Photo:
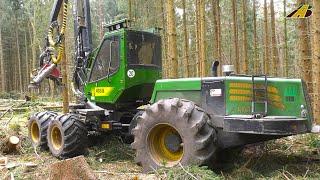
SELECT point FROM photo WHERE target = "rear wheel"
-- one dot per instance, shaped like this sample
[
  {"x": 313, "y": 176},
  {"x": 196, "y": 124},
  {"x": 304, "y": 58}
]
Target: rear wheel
[
  {"x": 67, "y": 136},
  {"x": 173, "y": 131},
  {"x": 37, "y": 128}
]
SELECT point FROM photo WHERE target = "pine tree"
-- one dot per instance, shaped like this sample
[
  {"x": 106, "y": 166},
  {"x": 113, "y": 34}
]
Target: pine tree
[
  {"x": 244, "y": 34},
  {"x": 185, "y": 41},
  {"x": 266, "y": 51},
  {"x": 305, "y": 47},
  {"x": 285, "y": 39},
  {"x": 235, "y": 34},
  {"x": 316, "y": 60},
  {"x": 172, "y": 38},
  {"x": 203, "y": 44},
  {"x": 256, "y": 63},
  {"x": 273, "y": 41}
]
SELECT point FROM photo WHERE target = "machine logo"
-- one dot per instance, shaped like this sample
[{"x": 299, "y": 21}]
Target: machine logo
[
  {"x": 131, "y": 73},
  {"x": 302, "y": 11}
]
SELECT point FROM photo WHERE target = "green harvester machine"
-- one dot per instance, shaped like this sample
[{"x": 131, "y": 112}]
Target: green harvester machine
[{"x": 187, "y": 121}]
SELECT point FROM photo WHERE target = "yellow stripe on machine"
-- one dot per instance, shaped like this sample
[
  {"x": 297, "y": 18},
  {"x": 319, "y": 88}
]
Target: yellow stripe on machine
[{"x": 102, "y": 91}]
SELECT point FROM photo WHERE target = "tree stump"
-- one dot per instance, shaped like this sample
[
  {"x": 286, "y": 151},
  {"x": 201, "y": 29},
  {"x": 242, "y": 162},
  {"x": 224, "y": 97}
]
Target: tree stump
[{"x": 71, "y": 169}]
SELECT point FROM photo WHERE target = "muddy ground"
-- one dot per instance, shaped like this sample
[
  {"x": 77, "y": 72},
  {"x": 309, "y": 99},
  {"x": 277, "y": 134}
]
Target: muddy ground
[{"x": 296, "y": 157}]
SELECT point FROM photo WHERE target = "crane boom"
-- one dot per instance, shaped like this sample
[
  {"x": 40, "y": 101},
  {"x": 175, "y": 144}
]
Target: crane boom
[{"x": 52, "y": 52}]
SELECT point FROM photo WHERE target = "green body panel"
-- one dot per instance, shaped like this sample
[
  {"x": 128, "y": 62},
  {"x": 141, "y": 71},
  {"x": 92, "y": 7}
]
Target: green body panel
[
  {"x": 189, "y": 88},
  {"x": 285, "y": 96},
  {"x": 124, "y": 88}
]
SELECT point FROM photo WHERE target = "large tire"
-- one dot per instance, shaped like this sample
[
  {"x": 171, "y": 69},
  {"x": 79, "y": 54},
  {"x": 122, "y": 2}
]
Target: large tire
[
  {"x": 173, "y": 131},
  {"x": 37, "y": 128},
  {"x": 67, "y": 136}
]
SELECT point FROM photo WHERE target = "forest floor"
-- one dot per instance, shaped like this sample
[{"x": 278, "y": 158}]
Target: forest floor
[{"x": 296, "y": 157}]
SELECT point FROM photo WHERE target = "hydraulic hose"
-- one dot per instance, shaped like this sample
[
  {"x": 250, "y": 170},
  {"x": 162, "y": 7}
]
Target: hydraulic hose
[{"x": 59, "y": 42}]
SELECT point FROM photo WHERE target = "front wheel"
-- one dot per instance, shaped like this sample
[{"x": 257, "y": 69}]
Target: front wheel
[
  {"x": 173, "y": 131},
  {"x": 67, "y": 136},
  {"x": 37, "y": 128}
]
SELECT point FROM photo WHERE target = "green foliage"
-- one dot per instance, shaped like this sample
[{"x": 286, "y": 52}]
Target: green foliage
[
  {"x": 108, "y": 148},
  {"x": 10, "y": 95},
  {"x": 315, "y": 141},
  {"x": 188, "y": 172}
]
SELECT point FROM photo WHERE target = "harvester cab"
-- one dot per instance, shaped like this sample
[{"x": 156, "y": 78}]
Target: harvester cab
[{"x": 124, "y": 68}]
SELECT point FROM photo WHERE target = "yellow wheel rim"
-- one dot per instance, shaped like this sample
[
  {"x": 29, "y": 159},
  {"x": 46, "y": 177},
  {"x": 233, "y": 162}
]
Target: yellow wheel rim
[
  {"x": 158, "y": 148},
  {"x": 35, "y": 132},
  {"x": 56, "y": 138}
]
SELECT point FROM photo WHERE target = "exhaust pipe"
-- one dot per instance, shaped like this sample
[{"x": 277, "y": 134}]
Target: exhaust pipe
[{"x": 215, "y": 65}]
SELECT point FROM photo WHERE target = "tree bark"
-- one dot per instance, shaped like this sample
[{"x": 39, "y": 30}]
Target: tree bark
[
  {"x": 273, "y": 41},
  {"x": 185, "y": 41},
  {"x": 130, "y": 9},
  {"x": 219, "y": 36},
  {"x": 165, "y": 43},
  {"x": 244, "y": 31},
  {"x": 26, "y": 73},
  {"x": 18, "y": 55},
  {"x": 198, "y": 39},
  {"x": 285, "y": 39},
  {"x": 266, "y": 52},
  {"x": 2, "y": 73},
  {"x": 305, "y": 53},
  {"x": 172, "y": 38},
  {"x": 100, "y": 19},
  {"x": 204, "y": 66},
  {"x": 235, "y": 34},
  {"x": 64, "y": 71},
  {"x": 256, "y": 63},
  {"x": 34, "y": 45},
  {"x": 316, "y": 60}
]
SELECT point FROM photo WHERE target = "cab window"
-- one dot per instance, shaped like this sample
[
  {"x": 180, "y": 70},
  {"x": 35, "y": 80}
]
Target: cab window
[{"x": 107, "y": 60}]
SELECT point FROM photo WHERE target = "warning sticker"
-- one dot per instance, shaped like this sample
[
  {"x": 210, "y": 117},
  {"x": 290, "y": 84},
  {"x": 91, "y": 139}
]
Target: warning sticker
[{"x": 215, "y": 92}]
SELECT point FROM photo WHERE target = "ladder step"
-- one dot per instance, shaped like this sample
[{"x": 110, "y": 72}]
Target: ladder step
[
  {"x": 258, "y": 75},
  {"x": 262, "y": 113},
  {"x": 260, "y": 89},
  {"x": 259, "y": 102}
]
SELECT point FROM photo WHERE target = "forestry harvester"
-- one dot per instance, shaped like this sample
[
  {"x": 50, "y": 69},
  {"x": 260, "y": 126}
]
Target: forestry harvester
[{"x": 185, "y": 121}]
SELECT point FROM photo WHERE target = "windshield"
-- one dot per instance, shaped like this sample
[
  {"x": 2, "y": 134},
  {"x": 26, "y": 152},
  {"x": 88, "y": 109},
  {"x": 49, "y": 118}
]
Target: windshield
[{"x": 143, "y": 48}]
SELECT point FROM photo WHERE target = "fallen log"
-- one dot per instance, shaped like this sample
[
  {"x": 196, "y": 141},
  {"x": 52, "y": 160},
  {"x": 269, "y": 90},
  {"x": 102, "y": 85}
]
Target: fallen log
[
  {"x": 43, "y": 107},
  {"x": 5, "y": 112}
]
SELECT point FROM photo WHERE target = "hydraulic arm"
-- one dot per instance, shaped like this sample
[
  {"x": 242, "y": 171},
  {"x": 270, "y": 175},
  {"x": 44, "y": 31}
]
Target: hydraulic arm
[{"x": 53, "y": 50}]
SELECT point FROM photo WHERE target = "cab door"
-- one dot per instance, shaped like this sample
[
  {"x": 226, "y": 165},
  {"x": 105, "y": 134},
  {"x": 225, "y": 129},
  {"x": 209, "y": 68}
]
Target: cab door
[{"x": 106, "y": 72}]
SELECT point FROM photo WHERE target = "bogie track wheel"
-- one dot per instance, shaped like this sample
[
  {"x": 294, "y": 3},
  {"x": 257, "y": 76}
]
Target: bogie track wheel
[
  {"x": 67, "y": 136},
  {"x": 173, "y": 131},
  {"x": 37, "y": 128}
]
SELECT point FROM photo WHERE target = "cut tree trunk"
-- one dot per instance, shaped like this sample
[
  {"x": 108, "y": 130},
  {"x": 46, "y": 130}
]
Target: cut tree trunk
[
  {"x": 75, "y": 168},
  {"x": 64, "y": 72}
]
